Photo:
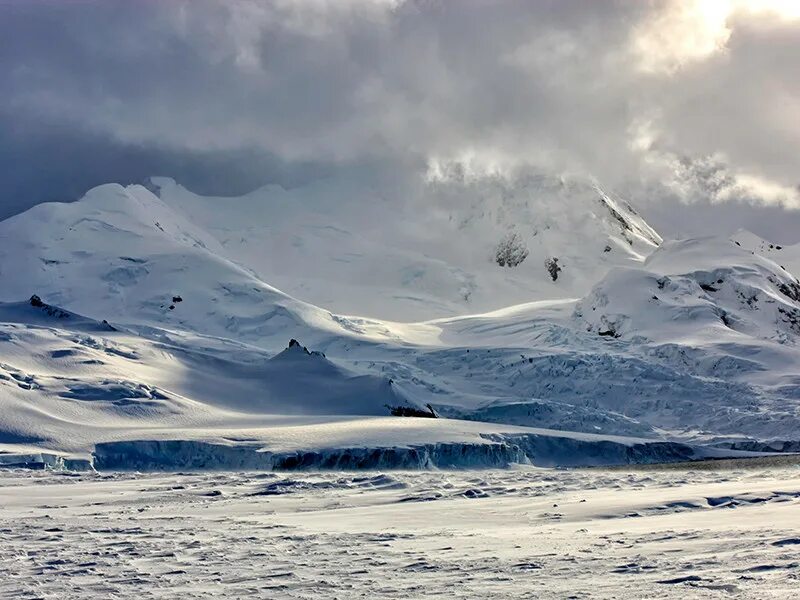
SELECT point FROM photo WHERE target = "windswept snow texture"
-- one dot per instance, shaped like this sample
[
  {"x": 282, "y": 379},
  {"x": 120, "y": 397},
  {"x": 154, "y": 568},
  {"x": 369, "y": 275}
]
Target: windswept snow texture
[
  {"x": 155, "y": 321},
  {"x": 520, "y": 533}
]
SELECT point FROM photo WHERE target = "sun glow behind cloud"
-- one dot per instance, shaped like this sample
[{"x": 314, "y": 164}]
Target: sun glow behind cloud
[{"x": 693, "y": 30}]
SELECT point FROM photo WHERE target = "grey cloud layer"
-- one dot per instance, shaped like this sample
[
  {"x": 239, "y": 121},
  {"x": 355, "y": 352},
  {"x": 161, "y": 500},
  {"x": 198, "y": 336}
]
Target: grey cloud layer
[{"x": 286, "y": 90}]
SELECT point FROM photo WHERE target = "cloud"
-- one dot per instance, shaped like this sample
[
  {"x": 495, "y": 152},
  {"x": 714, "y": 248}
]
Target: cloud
[
  {"x": 641, "y": 95},
  {"x": 677, "y": 34}
]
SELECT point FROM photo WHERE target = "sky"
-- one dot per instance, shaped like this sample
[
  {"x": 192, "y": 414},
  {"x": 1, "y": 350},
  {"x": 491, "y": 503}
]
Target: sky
[{"x": 689, "y": 108}]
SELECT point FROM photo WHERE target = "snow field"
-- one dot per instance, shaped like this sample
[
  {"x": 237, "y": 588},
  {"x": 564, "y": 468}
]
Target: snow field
[{"x": 520, "y": 533}]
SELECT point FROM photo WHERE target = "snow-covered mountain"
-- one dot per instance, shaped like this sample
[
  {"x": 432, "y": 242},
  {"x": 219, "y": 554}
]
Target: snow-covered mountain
[
  {"x": 158, "y": 319},
  {"x": 352, "y": 254},
  {"x": 455, "y": 248},
  {"x": 787, "y": 256}
]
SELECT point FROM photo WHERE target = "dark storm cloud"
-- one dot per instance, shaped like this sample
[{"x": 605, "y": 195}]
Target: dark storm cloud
[
  {"x": 229, "y": 95},
  {"x": 337, "y": 81},
  {"x": 48, "y": 161}
]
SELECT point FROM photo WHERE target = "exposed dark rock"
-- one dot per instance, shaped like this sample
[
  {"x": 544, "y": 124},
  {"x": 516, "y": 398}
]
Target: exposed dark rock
[
  {"x": 623, "y": 222},
  {"x": 52, "y": 311},
  {"x": 293, "y": 343},
  {"x": 791, "y": 290},
  {"x": 551, "y": 264},
  {"x": 751, "y": 301},
  {"x": 791, "y": 317},
  {"x": 410, "y": 411},
  {"x": 511, "y": 251}
]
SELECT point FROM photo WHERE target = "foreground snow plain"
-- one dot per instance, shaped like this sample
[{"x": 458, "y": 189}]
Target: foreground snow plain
[{"x": 729, "y": 531}]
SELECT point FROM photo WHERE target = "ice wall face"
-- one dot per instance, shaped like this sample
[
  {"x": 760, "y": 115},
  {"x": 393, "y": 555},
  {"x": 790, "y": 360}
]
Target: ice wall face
[
  {"x": 494, "y": 451},
  {"x": 178, "y": 455}
]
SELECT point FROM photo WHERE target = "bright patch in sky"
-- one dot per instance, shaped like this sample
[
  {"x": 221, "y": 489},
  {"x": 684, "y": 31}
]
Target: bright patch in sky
[{"x": 684, "y": 32}]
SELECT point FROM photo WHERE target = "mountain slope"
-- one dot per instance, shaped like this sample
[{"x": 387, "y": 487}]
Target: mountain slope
[
  {"x": 695, "y": 290},
  {"x": 60, "y": 371},
  {"x": 121, "y": 254},
  {"x": 787, "y": 256},
  {"x": 351, "y": 250},
  {"x": 72, "y": 386}
]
